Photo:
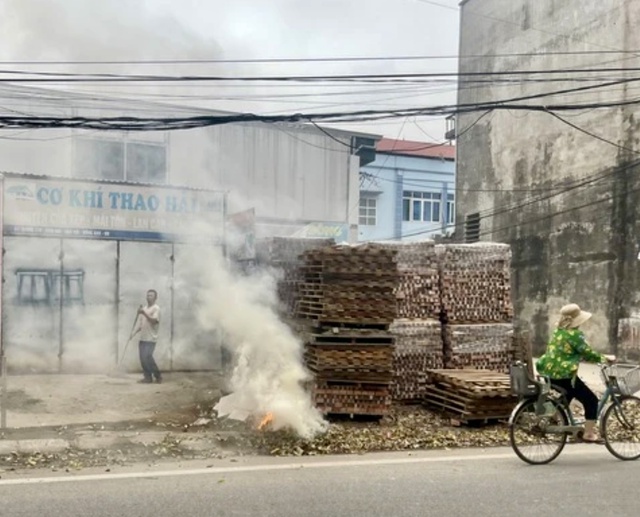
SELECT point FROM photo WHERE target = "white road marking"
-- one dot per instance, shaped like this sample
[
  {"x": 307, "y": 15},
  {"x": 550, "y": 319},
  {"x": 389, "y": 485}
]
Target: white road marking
[{"x": 276, "y": 467}]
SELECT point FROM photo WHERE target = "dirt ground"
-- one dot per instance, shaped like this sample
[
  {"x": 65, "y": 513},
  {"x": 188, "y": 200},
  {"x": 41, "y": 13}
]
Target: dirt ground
[{"x": 58, "y": 400}]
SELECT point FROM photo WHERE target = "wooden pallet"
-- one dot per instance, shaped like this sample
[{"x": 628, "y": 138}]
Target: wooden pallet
[
  {"x": 370, "y": 284},
  {"x": 471, "y": 382},
  {"x": 352, "y": 358},
  {"x": 466, "y": 408},
  {"x": 337, "y": 320},
  {"x": 476, "y": 283},
  {"x": 497, "y": 361},
  {"x": 332, "y": 397},
  {"x": 410, "y": 373},
  {"x": 483, "y": 346}
]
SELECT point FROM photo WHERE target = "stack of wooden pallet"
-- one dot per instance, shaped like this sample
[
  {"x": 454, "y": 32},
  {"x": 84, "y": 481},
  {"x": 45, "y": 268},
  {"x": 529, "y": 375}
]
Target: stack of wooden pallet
[
  {"x": 470, "y": 395},
  {"x": 348, "y": 285},
  {"x": 417, "y": 288},
  {"x": 417, "y": 328},
  {"x": 476, "y": 283},
  {"x": 418, "y": 347},
  {"x": 352, "y": 370},
  {"x": 347, "y": 296},
  {"x": 391, "y": 287},
  {"x": 285, "y": 255},
  {"x": 476, "y": 305},
  {"x": 483, "y": 346},
  {"x": 351, "y": 399}
]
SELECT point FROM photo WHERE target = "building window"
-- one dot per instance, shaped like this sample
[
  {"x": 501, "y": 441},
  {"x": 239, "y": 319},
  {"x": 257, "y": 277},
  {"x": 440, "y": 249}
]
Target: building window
[
  {"x": 451, "y": 209},
  {"x": 146, "y": 163},
  {"x": 116, "y": 160},
  {"x": 472, "y": 228},
  {"x": 421, "y": 206},
  {"x": 100, "y": 159},
  {"x": 368, "y": 209}
]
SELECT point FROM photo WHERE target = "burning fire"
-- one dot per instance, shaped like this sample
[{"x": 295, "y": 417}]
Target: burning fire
[{"x": 268, "y": 418}]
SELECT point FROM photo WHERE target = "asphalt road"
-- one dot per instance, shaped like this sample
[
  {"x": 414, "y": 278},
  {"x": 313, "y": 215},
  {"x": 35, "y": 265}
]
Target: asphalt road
[{"x": 584, "y": 481}]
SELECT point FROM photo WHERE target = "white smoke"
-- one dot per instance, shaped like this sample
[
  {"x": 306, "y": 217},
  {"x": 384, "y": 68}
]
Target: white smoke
[
  {"x": 269, "y": 374},
  {"x": 85, "y": 30}
]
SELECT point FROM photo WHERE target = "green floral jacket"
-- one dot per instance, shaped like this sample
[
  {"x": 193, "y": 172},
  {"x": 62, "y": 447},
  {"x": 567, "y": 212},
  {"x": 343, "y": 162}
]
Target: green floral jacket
[{"x": 564, "y": 352}]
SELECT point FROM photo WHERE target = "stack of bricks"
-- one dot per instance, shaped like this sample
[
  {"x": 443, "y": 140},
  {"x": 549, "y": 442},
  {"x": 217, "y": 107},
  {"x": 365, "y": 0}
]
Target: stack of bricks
[{"x": 476, "y": 306}]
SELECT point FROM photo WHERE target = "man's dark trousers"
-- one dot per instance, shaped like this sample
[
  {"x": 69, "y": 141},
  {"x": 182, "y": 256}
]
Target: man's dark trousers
[{"x": 148, "y": 363}]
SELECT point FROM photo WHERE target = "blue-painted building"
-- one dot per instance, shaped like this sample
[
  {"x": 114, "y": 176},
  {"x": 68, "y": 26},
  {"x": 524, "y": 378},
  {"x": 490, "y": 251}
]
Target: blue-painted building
[{"x": 408, "y": 192}]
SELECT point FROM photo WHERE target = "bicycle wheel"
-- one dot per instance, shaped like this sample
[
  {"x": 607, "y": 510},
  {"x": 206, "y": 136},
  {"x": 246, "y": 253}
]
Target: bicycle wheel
[
  {"x": 621, "y": 428},
  {"x": 529, "y": 438}
]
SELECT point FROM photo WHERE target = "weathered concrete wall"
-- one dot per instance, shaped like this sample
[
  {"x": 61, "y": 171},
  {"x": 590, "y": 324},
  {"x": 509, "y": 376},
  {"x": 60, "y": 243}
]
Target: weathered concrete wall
[{"x": 566, "y": 201}]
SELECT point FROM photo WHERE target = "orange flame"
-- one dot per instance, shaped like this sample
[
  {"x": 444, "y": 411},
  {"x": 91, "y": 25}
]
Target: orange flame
[{"x": 268, "y": 418}]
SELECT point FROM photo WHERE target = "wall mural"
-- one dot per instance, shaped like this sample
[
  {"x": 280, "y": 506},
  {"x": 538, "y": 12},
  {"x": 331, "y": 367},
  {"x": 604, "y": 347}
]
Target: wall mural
[{"x": 40, "y": 286}]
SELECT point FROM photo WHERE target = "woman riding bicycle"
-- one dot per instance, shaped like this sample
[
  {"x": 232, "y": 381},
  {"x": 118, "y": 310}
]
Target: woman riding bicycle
[{"x": 560, "y": 362}]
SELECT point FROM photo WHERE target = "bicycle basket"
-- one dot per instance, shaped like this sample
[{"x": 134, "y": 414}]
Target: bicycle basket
[
  {"x": 628, "y": 377},
  {"x": 521, "y": 384}
]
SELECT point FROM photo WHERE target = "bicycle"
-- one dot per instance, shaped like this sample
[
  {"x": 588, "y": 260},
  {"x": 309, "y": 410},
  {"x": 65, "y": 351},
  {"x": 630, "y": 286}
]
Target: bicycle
[{"x": 543, "y": 421}]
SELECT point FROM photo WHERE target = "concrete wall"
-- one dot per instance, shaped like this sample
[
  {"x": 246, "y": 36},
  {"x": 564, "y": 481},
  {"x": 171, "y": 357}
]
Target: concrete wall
[
  {"x": 564, "y": 200},
  {"x": 387, "y": 177}
]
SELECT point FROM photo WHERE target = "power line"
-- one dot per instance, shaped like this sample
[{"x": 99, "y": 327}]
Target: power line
[
  {"x": 560, "y": 212},
  {"x": 295, "y": 137},
  {"x": 589, "y": 180},
  {"x": 593, "y": 135},
  {"x": 61, "y": 77},
  {"x": 183, "y": 109},
  {"x": 189, "y": 122},
  {"x": 404, "y": 123},
  {"x": 530, "y": 221},
  {"x": 322, "y": 130},
  {"x": 456, "y": 190},
  {"x": 586, "y": 181},
  {"x": 509, "y": 209},
  {"x": 418, "y": 90},
  {"x": 330, "y": 59}
]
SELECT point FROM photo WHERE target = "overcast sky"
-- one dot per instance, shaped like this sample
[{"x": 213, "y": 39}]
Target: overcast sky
[{"x": 73, "y": 30}]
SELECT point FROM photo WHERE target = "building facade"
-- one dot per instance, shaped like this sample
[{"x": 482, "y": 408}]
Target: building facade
[
  {"x": 408, "y": 192},
  {"x": 295, "y": 179},
  {"x": 562, "y": 189}
]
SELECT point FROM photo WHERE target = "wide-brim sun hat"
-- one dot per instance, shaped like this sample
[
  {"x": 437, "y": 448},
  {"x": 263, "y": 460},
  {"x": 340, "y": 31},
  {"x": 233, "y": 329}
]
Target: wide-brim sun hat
[{"x": 572, "y": 316}]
